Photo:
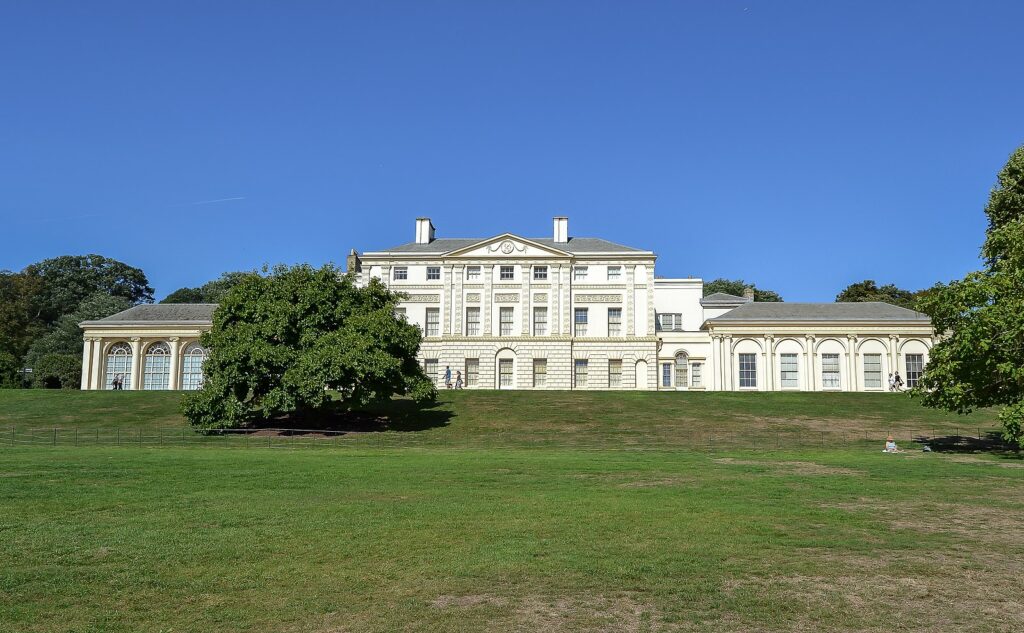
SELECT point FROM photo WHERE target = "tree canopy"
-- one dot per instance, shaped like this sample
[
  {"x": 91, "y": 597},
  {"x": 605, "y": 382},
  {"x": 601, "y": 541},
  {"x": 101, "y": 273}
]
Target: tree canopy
[
  {"x": 69, "y": 279},
  {"x": 980, "y": 360},
  {"x": 210, "y": 292},
  {"x": 737, "y": 286},
  {"x": 279, "y": 342},
  {"x": 867, "y": 290}
]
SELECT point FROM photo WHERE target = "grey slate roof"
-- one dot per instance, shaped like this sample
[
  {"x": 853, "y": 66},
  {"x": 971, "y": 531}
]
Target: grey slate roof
[
  {"x": 574, "y": 245},
  {"x": 722, "y": 297},
  {"x": 865, "y": 311},
  {"x": 161, "y": 313}
]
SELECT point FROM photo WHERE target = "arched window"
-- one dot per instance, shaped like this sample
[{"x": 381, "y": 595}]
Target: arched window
[
  {"x": 682, "y": 370},
  {"x": 119, "y": 365},
  {"x": 192, "y": 367},
  {"x": 156, "y": 372}
]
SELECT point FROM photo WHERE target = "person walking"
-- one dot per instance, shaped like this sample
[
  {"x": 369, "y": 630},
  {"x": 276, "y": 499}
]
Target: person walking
[
  {"x": 447, "y": 377},
  {"x": 116, "y": 382},
  {"x": 458, "y": 380},
  {"x": 892, "y": 382},
  {"x": 898, "y": 381}
]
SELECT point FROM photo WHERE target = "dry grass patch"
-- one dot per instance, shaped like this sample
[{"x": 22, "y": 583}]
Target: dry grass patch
[{"x": 789, "y": 467}]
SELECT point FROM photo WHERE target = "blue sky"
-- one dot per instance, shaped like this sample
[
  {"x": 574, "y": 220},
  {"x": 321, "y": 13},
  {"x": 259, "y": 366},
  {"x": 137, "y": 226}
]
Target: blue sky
[{"x": 798, "y": 145}]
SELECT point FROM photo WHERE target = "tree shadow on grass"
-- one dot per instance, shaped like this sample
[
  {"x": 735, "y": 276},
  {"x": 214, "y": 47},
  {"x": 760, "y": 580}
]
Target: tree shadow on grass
[
  {"x": 991, "y": 442},
  {"x": 400, "y": 415}
]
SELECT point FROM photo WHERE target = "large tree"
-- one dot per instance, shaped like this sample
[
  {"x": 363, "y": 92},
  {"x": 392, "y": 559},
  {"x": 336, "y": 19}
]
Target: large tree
[
  {"x": 980, "y": 360},
  {"x": 737, "y": 286},
  {"x": 69, "y": 279},
  {"x": 280, "y": 342},
  {"x": 867, "y": 290},
  {"x": 210, "y": 292},
  {"x": 20, "y": 322}
]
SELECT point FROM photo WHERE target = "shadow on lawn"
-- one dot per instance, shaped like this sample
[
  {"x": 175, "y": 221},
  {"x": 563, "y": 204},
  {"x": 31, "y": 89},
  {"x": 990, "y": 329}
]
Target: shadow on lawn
[
  {"x": 395, "y": 415},
  {"x": 990, "y": 442}
]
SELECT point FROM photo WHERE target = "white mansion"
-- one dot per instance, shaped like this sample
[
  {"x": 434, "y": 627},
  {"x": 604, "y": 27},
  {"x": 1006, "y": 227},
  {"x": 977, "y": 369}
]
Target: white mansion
[{"x": 563, "y": 312}]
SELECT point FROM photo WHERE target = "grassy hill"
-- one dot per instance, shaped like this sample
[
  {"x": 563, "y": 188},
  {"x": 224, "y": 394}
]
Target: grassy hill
[{"x": 509, "y": 512}]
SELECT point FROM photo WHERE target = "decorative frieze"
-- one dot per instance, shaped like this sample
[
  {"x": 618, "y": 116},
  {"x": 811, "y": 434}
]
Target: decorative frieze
[
  {"x": 540, "y": 297},
  {"x": 598, "y": 298},
  {"x": 473, "y": 297},
  {"x": 422, "y": 299},
  {"x": 506, "y": 298}
]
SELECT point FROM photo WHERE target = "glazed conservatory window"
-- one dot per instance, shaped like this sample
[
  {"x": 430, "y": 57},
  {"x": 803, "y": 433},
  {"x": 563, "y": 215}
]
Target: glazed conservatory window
[
  {"x": 192, "y": 367},
  {"x": 156, "y": 372},
  {"x": 872, "y": 371},
  {"x": 748, "y": 370},
  {"x": 830, "y": 371},
  {"x": 915, "y": 367},
  {"x": 119, "y": 363},
  {"x": 789, "y": 373}
]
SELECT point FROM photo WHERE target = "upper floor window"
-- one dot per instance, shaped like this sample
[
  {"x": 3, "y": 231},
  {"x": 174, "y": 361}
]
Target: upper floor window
[
  {"x": 433, "y": 322},
  {"x": 472, "y": 273},
  {"x": 540, "y": 321},
  {"x": 614, "y": 321},
  {"x": 400, "y": 272},
  {"x": 507, "y": 273},
  {"x": 579, "y": 273},
  {"x": 614, "y": 273},
  {"x": 473, "y": 321},
  {"x": 506, "y": 321},
  {"x": 670, "y": 321},
  {"x": 580, "y": 322},
  {"x": 433, "y": 273},
  {"x": 540, "y": 273}
]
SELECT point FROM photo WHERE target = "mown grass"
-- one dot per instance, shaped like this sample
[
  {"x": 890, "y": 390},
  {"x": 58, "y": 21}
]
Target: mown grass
[{"x": 536, "y": 533}]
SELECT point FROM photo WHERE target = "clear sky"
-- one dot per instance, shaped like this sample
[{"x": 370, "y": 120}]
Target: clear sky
[{"x": 798, "y": 145}]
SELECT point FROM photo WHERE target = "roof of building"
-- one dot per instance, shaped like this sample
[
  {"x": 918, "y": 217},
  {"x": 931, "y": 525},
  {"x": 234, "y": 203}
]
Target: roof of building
[
  {"x": 574, "y": 245},
  {"x": 865, "y": 311},
  {"x": 723, "y": 298},
  {"x": 186, "y": 313}
]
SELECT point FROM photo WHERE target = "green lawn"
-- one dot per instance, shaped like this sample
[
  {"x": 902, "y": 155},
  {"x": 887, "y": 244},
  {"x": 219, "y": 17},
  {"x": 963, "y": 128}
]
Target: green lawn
[{"x": 561, "y": 525}]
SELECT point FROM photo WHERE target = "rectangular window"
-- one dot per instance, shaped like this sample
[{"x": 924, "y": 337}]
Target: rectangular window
[
  {"x": 666, "y": 374},
  {"x": 789, "y": 372},
  {"x": 400, "y": 313},
  {"x": 507, "y": 273},
  {"x": 830, "y": 371},
  {"x": 433, "y": 273},
  {"x": 682, "y": 371},
  {"x": 472, "y": 273},
  {"x": 872, "y": 371},
  {"x": 579, "y": 273},
  {"x": 748, "y": 370},
  {"x": 473, "y": 321},
  {"x": 614, "y": 321},
  {"x": 579, "y": 372},
  {"x": 614, "y": 273},
  {"x": 540, "y": 372},
  {"x": 580, "y": 322},
  {"x": 670, "y": 321},
  {"x": 540, "y": 273},
  {"x": 430, "y": 368},
  {"x": 615, "y": 373},
  {"x": 540, "y": 321},
  {"x": 505, "y": 316},
  {"x": 915, "y": 367},
  {"x": 505, "y": 372},
  {"x": 400, "y": 272},
  {"x": 433, "y": 322},
  {"x": 696, "y": 375},
  {"x": 472, "y": 372}
]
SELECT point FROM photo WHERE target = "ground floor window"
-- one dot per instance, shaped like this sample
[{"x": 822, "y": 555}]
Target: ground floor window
[
  {"x": 872, "y": 371},
  {"x": 505, "y": 372},
  {"x": 430, "y": 368},
  {"x": 579, "y": 372},
  {"x": 192, "y": 367},
  {"x": 615, "y": 372},
  {"x": 682, "y": 370},
  {"x": 696, "y": 377},
  {"x": 915, "y": 366},
  {"x": 789, "y": 372},
  {"x": 666, "y": 374},
  {"x": 472, "y": 372},
  {"x": 119, "y": 366},
  {"x": 540, "y": 372},
  {"x": 156, "y": 372},
  {"x": 748, "y": 370},
  {"x": 830, "y": 371}
]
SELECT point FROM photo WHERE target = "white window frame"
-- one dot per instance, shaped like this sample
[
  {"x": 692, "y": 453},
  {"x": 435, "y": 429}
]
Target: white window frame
[
  {"x": 540, "y": 372},
  {"x": 831, "y": 377},
  {"x": 431, "y": 366},
  {"x": 579, "y": 273},
  {"x": 682, "y": 370},
  {"x": 747, "y": 365},
  {"x": 156, "y": 370},
  {"x": 666, "y": 375},
  {"x": 433, "y": 273},
  {"x": 506, "y": 380},
  {"x": 697, "y": 374},
  {"x": 670, "y": 321},
  {"x": 472, "y": 372},
  {"x": 614, "y": 273},
  {"x": 540, "y": 273},
  {"x": 614, "y": 372},
  {"x": 793, "y": 381},
  {"x": 614, "y": 324},
  {"x": 580, "y": 372},
  {"x": 432, "y": 327},
  {"x": 913, "y": 375},
  {"x": 540, "y": 325},
  {"x": 473, "y": 273},
  {"x": 473, "y": 325},
  {"x": 579, "y": 326},
  {"x": 400, "y": 273},
  {"x": 872, "y": 371},
  {"x": 192, "y": 367},
  {"x": 506, "y": 273},
  {"x": 507, "y": 327}
]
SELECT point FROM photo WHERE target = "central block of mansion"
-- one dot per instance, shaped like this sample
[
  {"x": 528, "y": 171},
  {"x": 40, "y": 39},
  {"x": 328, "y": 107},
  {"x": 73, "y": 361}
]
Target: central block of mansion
[{"x": 563, "y": 312}]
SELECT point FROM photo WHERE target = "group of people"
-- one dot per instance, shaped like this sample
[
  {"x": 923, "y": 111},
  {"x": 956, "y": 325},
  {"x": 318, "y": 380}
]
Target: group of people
[
  {"x": 448, "y": 378},
  {"x": 895, "y": 382},
  {"x": 117, "y": 382}
]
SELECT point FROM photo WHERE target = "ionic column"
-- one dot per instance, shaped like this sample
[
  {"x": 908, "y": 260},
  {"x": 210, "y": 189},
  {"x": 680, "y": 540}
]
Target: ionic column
[
  {"x": 811, "y": 353},
  {"x": 894, "y": 353},
  {"x": 727, "y": 363},
  {"x": 769, "y": 370},
  {"x": 175, "y": 382},
  {"x": 851, "y": 360},
  {"x": 86, "y": 362},
  {"x": 136, "y": 363}
]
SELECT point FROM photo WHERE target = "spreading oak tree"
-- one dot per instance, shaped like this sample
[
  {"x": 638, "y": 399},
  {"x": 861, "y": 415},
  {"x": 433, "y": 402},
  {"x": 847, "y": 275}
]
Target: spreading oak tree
[
  {"x": 299, "y": 339},
  {"x": 980, "y": 360},
  {"x": 868, "y": 290},
  {"x": 737, "y": 286}
]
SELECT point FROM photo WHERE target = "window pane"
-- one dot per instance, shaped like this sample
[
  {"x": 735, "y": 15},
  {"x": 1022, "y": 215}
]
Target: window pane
[
  {"x": 472, "y": 273},
  {"x": 666, "y": 374},
  {"x": 472, "y": 372},
  {"x": 540, "y": 372},
  {"x": 579, "y": 372},
  {"x": 156, "y": 371},
  {"x": 192, "y": 367},
  {"x": 472, "y": 321},
  {"x": 433, "y": 322},
  {"x": 580, "y": 321},
  {"x": 614, "y": 273},
  {"x": 615, "y": 372},
  {"x": 579, "y": 273},
  {"x": 830, "y": 371},
  {"x": 748, "y": 370},
  {"x": 872, "y": 371},
  {"x": 433, "y": 273},
  {"x": 507, "y": 272},
  {"x": 540, "y": 273},
  {"x": 696, "y": 379},
  {"x": 540, "y": 321},
  {"x": 400, "y": 272},
  {"x": 119, "y": 365},
  {"x": 915, "y": 367},
  {"x": 614, "y": 321},
  {"x": 505, "y": 372},
  {"x": 505, "y": 316},
  {"x": 682, "y": 373},
  {"x": 790, "y": 373},
  {"x": 430, "y": 368}
]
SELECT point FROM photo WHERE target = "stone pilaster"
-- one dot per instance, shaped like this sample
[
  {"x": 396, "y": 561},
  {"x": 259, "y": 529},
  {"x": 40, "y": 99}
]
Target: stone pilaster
[
  {"x": 488, "y": 299},
  {"x": 175, "y": 379},
  {"x": 630, "y": 299},
  {"x": 137, "y": 360},
  {"x": 86, "y": 362}
]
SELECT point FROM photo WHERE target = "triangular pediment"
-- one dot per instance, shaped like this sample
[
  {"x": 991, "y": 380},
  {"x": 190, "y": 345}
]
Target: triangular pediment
[{"x": 509, "y": 246}]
